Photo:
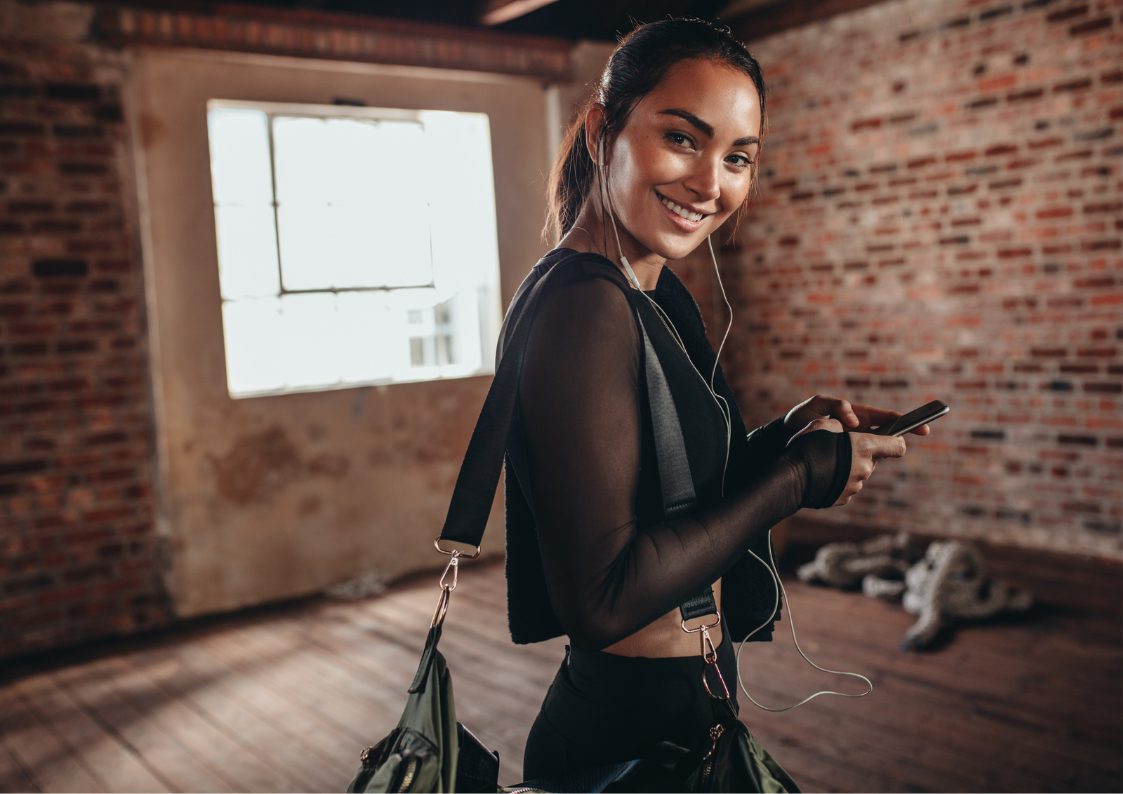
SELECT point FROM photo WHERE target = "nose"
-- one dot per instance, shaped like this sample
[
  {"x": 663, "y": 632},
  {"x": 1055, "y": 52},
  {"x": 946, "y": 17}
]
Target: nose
[{"x": 704, "y": 180}]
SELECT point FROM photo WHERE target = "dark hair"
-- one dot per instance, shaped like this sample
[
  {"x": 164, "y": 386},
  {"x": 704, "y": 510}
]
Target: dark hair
[{"x": 636, "y": 66}]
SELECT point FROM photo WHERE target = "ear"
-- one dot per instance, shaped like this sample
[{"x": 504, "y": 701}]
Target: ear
[{"x": 594, "y": 123}]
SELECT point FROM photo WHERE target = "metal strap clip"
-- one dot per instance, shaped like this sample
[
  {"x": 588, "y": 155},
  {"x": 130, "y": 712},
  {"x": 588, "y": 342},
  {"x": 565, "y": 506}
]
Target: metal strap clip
[
  {"x": 709, "y": 656},
  {"x": 447, "y": 584},
  {"x": 472, "y": 556}
]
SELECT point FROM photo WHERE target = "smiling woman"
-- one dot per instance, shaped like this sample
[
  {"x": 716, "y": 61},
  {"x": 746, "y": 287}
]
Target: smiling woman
[
  {"x": 677, "y": 174},
  {"x": 662, "y": 154}
]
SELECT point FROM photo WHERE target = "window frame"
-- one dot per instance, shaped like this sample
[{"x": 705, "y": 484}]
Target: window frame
[{"x": 485, "y": 285}]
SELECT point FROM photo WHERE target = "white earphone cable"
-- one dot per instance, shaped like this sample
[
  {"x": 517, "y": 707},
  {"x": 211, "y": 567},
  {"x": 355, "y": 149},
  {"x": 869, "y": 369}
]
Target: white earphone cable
[{"x": 778, "y": 586}]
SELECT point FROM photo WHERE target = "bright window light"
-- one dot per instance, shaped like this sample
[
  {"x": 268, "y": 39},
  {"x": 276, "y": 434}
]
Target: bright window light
[{"x": 356, "y": 246}]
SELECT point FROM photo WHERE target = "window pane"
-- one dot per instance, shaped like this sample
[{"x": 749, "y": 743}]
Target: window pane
[
  {"x": 355, "y": 152},
  {"x": 325, "y": 247},
  {"x": 464, "y": 204},
  {"x": 353, "y": 203},
  {"x": 313, "y": 340},
  {"x": 255, "y": 362},
  {"x": 302, "y": 160},
  {"x": 239, "y": 145},
  {"x": 247, "y": 251},
  {"x": 403, "y": 251},
  {"x": 366, "y": 325},
  {"x": 402, "y": 212}
]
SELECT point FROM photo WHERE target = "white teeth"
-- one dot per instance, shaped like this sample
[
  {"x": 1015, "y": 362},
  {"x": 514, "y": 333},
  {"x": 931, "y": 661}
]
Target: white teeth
[{"x": 682, "y": 212}]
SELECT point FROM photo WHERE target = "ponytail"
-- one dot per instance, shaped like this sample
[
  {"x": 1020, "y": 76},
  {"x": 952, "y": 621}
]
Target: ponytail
[{"x": 570, "y": 178}]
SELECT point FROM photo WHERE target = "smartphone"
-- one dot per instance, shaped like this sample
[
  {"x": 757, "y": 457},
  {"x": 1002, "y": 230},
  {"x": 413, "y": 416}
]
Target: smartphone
[{"x": 914, "y": 419}]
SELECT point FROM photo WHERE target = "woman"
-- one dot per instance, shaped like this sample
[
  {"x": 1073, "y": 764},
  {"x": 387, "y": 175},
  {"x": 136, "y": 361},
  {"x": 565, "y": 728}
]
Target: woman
[{"x": 661, "y": 155}]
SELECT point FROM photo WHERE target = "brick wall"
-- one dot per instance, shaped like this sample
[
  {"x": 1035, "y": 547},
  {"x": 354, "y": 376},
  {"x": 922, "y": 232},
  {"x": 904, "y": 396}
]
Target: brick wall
[
  {"x": 941, "y": 217},
  {"x": 78, "y": 552}
]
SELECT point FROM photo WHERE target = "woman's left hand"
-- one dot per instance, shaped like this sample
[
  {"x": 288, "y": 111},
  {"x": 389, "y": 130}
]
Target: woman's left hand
[{"x": 853, "y": 416}]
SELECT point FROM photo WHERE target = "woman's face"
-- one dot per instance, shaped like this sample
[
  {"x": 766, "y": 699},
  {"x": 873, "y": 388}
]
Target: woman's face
[{"x": 683, "y": 162}]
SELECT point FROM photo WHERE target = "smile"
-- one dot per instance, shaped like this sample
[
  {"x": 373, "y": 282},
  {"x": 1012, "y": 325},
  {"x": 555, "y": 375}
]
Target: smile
[{"x": 693, "y": 218}]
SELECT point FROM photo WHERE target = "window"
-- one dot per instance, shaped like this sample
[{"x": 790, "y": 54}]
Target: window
[{"x": 355, "y": 245}]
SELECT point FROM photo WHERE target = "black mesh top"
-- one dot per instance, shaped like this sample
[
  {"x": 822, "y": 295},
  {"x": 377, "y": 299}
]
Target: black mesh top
[{"x": 589, "y": 553}]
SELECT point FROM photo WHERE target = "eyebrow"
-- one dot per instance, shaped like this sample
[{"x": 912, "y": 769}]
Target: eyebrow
[{"x": 705, "y": 128}]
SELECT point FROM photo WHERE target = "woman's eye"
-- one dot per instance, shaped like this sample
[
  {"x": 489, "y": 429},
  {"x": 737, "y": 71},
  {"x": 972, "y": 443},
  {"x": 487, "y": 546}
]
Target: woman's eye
[
  {"x": 741, "y": 161},
  {"x": 679, "y": 139}
]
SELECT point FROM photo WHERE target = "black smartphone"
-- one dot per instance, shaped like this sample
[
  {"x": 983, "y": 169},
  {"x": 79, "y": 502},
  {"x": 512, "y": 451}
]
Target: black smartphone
[{"x": 914, "y": 419}]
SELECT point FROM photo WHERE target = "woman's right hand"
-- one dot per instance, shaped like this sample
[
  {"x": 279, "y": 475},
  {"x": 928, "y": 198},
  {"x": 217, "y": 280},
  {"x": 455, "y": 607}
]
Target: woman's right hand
[{"x": 822, "y": 458}]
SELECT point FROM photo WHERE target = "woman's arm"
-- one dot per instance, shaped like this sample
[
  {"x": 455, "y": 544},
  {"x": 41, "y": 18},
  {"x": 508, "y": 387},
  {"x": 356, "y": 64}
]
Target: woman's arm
[
  {"x": 581, "y": 405},
  {"x": 767, "y": 442}
]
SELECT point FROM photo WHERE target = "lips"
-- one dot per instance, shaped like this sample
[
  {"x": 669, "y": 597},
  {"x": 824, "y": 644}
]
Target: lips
[{"x": 683, "y": 217}]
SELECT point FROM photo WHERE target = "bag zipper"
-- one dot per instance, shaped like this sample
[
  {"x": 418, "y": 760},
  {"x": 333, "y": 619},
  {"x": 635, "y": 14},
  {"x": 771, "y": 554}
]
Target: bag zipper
[
  {"x": 411, "y": 762},
  {"x": 715, "y": 733}
]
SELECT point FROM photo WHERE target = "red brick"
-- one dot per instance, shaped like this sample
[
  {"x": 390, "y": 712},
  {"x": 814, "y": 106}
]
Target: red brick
[
  {"x": 997, "y": 83},
  {"x": 1091, "y": 26},
  {"x": 1073, "y": 85}
]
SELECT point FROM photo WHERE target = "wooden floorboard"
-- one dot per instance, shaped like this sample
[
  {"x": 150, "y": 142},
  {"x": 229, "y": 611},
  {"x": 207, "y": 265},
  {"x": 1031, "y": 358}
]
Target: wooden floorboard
[
  {"x": 85, "y": 732},
  {"x": 284, "y": 698}
]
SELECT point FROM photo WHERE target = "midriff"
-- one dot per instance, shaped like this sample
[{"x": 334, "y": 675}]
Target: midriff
[{"x": 664, "y": 637}]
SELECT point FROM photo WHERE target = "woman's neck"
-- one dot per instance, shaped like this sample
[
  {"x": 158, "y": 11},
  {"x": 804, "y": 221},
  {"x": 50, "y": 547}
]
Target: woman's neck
[{"x": 589, "y": 234}]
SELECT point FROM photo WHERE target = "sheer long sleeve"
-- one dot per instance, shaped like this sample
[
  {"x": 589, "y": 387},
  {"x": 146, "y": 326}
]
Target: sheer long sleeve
[
  {"x": 768, "y": 441},
  {"x": 580, "y": 402}
]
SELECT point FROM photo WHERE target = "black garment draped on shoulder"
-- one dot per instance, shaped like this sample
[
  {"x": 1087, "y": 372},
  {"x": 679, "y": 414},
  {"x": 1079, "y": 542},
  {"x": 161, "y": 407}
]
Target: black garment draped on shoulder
[{"x": 589, "y": 553}]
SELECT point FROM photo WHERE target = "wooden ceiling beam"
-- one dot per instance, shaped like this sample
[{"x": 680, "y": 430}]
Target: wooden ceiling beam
[
  {"x": 755, "y": 19},
  {"x": 735, "y": 8},
  {"x": 496, "y": 12}
]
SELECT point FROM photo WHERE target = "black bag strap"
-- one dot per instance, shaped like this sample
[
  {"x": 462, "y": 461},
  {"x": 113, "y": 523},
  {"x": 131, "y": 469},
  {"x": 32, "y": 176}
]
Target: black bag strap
[
  {"x": 675, "y": 480},
  {"x": 478, "y": 479}
]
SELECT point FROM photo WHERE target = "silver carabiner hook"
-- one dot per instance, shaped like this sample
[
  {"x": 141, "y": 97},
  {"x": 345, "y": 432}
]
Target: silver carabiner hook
[
  {"x": 454, "y": 566},
  {"x": 709, "y": 656}
]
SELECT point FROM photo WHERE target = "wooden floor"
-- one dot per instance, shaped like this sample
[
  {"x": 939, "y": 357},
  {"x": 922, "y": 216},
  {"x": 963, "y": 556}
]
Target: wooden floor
[{"x": 284, "y": 699}]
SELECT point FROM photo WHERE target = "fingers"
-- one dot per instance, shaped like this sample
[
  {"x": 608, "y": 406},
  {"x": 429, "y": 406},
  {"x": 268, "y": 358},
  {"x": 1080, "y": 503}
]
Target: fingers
[
  {"x": 831, "y": 407},
  {"x": 826, "y": 423},
  {"x": 852, "y": 489},
  {"x": 874, "y": 447},
  {"x": 848, "y": 415},
  {"x": 822, "y": 423},
  {"x": 867, "y": 449},
  {"x": 869, "y": 416},
  {"x": 891, "y": 447},
  {"x": 879, "y": 417}
]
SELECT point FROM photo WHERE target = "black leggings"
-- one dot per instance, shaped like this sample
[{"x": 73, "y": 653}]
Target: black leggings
[{"x": 604, "y": 708}]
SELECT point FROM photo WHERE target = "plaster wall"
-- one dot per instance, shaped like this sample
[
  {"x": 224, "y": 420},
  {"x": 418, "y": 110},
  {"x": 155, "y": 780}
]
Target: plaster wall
[{"x": 273, "y": 497}]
